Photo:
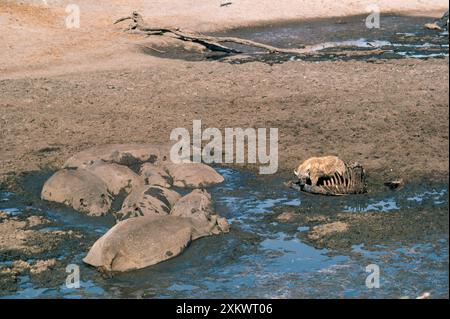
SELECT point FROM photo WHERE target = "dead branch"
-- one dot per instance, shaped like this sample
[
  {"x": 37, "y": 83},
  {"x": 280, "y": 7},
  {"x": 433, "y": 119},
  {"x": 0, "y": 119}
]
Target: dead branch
[
  {"x": 210, "y": 42},
  {"x": 217, "y": 43}
]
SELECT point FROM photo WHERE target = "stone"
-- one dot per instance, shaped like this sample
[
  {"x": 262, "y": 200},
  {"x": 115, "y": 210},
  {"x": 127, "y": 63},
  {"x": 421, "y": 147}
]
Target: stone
[
  {"x": 125, "y": 154},
  {"x": 155, "y": 175},
  {"x": 80, "y": 189},
  {"x": 140, "y": 242},
  {"x": 148, "y": 200},
  {"x": 116, "y": 177},
  {"x": 193, "y": 175}
]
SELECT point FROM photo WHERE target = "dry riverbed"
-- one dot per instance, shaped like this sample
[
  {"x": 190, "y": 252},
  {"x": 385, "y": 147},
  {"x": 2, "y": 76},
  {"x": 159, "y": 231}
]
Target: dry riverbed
[{"x": 96, "y": 86}]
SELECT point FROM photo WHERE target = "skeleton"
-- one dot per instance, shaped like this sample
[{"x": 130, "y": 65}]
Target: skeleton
[{"x": 329, "y": 175}]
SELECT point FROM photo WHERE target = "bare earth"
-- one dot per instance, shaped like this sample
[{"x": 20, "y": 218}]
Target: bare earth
[{"x": 65, "y": 90}]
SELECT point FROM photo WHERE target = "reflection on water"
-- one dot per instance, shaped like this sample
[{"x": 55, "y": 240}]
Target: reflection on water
[
  {"x": 296, "y": 257},
  {"x": 266, "y": 259}
]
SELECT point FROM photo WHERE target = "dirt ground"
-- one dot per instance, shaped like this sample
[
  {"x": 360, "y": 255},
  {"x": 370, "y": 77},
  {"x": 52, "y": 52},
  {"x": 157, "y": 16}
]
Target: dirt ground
[
  {"x": 63, "y": 90},
  {"x": 392, "y": 117},
  {"x": 66, "y": 90}
]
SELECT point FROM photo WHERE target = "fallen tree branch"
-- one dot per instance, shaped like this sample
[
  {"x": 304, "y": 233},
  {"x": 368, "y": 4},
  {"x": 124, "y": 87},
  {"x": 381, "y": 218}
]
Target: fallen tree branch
[
  {"x": 217, "y": 43},
  {"x": 210, "y": 42}
]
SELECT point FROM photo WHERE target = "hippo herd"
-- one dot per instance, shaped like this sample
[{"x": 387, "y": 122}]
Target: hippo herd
[{"x": 154, "y": 222}]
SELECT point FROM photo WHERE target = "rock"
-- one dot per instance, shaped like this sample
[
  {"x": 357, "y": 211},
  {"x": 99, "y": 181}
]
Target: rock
[
  {"x": 125, "y": 154},
  {"x": 193, "y": 175},
  {"x": 155, "y": 175},
  {"x": 144, "y": 241},
  {"x": 116, "y": 177},
  {"x": 148, "y": 200},
  {"x": 320, "y": 231},
  {"x": 80, "y": 189},
  {"x": 197, "y": 204}
]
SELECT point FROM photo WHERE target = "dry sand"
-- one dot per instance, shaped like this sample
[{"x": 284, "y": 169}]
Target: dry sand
[
  {"x": 36, "y": 39},
  {"x": 64, "y": 90}
]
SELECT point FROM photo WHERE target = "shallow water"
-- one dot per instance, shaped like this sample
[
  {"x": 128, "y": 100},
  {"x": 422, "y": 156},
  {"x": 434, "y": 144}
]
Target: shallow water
[
  {"x": 262, "y": 257},
  {"x": 330, "y": 40}
]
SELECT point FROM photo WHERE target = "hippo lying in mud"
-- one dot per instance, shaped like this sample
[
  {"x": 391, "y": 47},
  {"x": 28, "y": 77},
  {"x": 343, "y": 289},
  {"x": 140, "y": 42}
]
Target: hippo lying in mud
[
  {"x": 140, "y": 242},
  {"x": 154, "y": 223},
  {"x": 329, "y": 175},
  {"x": 143, "y": 241}
]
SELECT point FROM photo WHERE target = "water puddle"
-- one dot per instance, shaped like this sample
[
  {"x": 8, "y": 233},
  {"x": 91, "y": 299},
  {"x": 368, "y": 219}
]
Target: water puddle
[
  {"x": 334, "y": 39},
  {"x": 262, "y": 256}
]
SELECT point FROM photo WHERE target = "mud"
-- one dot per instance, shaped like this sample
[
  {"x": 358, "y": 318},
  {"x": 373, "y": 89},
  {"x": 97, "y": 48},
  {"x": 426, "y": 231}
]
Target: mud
[
  {"x": 95, "y": 86},
  {"x": 320, "y": 247}
]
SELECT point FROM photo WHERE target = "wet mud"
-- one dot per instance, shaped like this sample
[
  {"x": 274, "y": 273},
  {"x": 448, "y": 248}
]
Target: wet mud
[{"x": 282, "y": 244}]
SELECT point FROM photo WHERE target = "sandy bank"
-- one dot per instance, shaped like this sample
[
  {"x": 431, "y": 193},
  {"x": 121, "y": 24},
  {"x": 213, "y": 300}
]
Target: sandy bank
[{"x": 36, "y": 39}]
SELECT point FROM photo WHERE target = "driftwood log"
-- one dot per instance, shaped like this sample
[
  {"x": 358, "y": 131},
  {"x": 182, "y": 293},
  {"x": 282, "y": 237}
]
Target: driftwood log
[
  {"x": 214, "y": 43},
  {"x": 210, "y": 42}
]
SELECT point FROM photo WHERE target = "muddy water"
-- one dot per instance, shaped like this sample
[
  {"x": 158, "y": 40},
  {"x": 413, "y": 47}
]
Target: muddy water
[
  {"x": 264, "y": 257},
  {"x": 331, "y": 39}
]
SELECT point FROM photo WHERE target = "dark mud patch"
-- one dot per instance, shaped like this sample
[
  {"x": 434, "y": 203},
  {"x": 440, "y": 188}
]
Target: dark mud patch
[{"x": 337, "y": 39}]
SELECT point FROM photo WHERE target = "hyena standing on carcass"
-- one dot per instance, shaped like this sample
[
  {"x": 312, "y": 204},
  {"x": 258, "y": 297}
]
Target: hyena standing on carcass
[{"x": 329, "y": 175}]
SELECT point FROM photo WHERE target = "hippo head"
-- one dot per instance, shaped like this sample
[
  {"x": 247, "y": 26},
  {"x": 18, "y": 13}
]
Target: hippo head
[{"x": 216, "y": 225}]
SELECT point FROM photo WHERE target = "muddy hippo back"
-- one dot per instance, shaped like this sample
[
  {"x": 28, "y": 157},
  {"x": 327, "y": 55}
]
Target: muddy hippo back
[{"x": 144, "y": 241}]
